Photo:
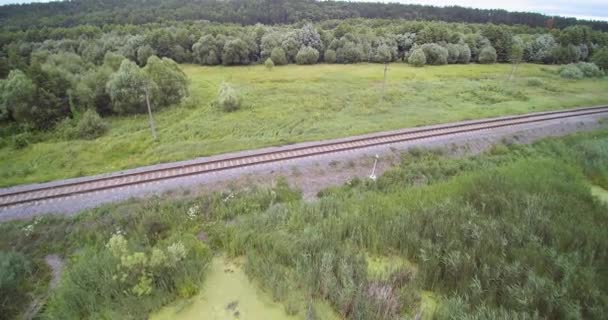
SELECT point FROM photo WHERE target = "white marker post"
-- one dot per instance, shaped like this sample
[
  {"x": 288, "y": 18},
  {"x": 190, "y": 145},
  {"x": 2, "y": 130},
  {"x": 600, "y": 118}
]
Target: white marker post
[{"x": 373, "y": 175}]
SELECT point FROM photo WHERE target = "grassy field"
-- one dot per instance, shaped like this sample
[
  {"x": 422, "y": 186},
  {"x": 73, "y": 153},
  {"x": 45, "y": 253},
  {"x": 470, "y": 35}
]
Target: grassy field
[{"x": 297, "y": 103}]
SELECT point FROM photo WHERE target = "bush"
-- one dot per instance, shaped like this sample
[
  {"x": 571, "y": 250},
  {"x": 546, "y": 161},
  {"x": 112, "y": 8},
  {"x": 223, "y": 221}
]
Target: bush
[
  {"x": 330, "y": 56},
  {"x": 464, "y": 55},
  {"x": 278, "y": 56},
  {"x": 307, "y": 55},
  {"x": 228, "y": 99},
  {"x": 91, "y": 126},
  {"x": 535, "y": 82},
  {"x": 590, "y": 70},
  {"x": 580, "y": 70},
  {"x": 453, "y": 52},
  {"x": 487, "y": 55},
  {"x": 417, "y": 58},
  {"x": 269, "y": 64},
  {"x": 21, "y": 140},
  {"x": 571, "y": 71},
  {"x": 435, "y": 54},
  {"x": 14, "y": 270},
  {"x": 600, "y": 58}
]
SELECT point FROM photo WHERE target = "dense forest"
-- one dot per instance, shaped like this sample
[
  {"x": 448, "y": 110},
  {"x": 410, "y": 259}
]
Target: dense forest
[
  {"x": 100, "y": 13},
  {"x": 60, "y": 59}
]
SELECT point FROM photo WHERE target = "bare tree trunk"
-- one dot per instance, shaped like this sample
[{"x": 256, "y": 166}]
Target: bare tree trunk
[{"x": 152, "y": 125}]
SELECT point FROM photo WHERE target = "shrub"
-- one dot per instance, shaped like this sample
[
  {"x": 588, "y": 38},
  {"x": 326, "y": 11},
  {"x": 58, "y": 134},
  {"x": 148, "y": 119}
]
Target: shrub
[
  {"x": 349, "y": 53},
  {"x": 278, "y": 56},
  {"x": 571, "y": 71},
  {"x": 330, "y": 56},
  {"x": 435, "y": 54},
  {"x": 600, "y": 58},
  {"x": 269, "y": 64},
  {"x": 487, "y": 55},
  {"x": 453, "y": 52},
  {"x": 534, "y": 82},
  {"x": 589, "y": 69},
  {"x": 580, "y": 70},
  {"x": 383, "y": 54},
  {"x": 21, "y": 140},
  {"x": 14, "y": 269},
  {"x": 417, "y": 58},
  {"x": 228, "y": 99},
  {"x": 91, "y": 126},
  {"x": 307, "y": 55},
  {"x": 464, "y": 54}
]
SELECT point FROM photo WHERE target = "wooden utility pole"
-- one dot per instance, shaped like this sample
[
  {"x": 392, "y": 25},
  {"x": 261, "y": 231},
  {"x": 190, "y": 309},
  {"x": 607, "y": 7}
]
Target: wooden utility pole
[{"x": 152, "y": 125}]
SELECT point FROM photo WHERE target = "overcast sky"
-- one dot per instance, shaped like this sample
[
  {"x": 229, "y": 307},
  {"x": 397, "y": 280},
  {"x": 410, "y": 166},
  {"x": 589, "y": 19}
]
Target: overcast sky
[{"x": 584, "y": 9}]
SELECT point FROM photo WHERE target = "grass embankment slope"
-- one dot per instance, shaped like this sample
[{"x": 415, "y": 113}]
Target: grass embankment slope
[
  {"x": 509, "y": 234},
  {"x": 298, "y": 103}
]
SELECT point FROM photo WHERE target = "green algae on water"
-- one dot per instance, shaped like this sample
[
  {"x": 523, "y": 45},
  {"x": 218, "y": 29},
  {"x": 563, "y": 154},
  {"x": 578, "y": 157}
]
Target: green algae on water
[
  {"x": 600, "y": 193},
  {"x": 226, "y": 294}
]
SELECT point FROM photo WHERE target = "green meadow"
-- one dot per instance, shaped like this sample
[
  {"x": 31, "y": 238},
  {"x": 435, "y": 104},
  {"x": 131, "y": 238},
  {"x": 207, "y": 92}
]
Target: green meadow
[{"x": 291, "y": 104}]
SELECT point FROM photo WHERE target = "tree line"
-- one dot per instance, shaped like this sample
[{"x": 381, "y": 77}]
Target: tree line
[
  {"x": 92, "y": 12},
  {"x": 109, "y": 69}
]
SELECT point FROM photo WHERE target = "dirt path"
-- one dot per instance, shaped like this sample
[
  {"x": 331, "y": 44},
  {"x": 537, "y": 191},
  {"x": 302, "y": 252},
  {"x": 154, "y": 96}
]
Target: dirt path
[{"x": 56, "y": 264}]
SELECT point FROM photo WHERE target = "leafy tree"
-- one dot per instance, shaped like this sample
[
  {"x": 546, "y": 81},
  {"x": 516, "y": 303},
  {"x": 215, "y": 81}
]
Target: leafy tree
[
  {"x": 600, "y": 58},
  {"x": 143, "y": 53},
  {"x": 541, "y": 49},
  {"x": 228, "y": 98},
  {"x": 330, "y": 56},
  {"x": 464, "y": 53},
  {"x": 307, "y": 55},
  {"x": 269, "y": 64},
  {"x": 476, "y": 42},
  {"x": 170, "y": 80},
  {"x": 113, "y": 60},
  {"x": 417, "y": 58},
  {"x": 17, "y": 97},
  {"x": 291, "y": 45},
  {"x": 566, "y": 54},
  {"x": 383, "y": 54},
  {"x": 207, "y": 50},
  {"x": 350, "y": 52},
  {"x": 278, "y": 56},
  {"x": 501, "y": 39},
  {"x": 433, "y": 33},
  {"x": 90, "y": 92},
  {"x": 127, "y": 89},
  {"x": 310, "y": 37},
  {"x": 269, "y": 42},
  {"x": 487, "y": 55},
  {"x": 435, "y": 54},
  {"x": 453, "y": 52},
  {"x": 235, "y": 51}
]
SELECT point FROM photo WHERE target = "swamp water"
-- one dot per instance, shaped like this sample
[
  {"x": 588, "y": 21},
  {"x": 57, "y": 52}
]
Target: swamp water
[
  {"x": 600, "y": 193},
  {"x": 226, "y": 294}
]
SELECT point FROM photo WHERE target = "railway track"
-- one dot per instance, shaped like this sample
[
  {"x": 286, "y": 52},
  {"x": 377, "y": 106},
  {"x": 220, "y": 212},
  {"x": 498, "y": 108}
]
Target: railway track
[{"x": 38, "y": 194}]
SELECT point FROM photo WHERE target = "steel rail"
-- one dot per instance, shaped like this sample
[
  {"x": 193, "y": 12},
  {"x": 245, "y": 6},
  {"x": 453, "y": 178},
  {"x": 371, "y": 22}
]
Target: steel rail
[{"x": 151, "y": 175}]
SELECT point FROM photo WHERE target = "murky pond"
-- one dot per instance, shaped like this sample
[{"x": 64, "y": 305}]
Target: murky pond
[{"x": 226, "y": 294}]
